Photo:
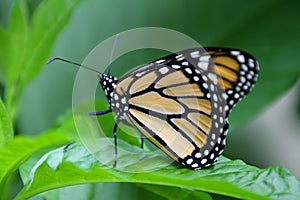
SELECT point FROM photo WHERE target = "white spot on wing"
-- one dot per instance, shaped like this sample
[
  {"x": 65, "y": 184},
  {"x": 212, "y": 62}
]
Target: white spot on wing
[
  {"x": 141, "y": 73},
  {"x": 198, "y": 155},
  {"x": 215, "y": 97},
  {"x": 236, "y": 96},
  {"x": 163, "y": 70},
  {"x": 251, "y": 62},
  {"x": 116, "y": 97},
  {"x": 243, "y": 79},
  {"x": 225, "y": 96},
  {"x": 204, "y": 58},
  {"x": 189, "y": 161},
  {"x": 203, "y": 161},
  {"x": 179, "y": 57},
  {"x": 244, "y": 67},
  {"x": 194, "y": 165},
  {"x": 196, "y": 78},
  {"x": 206, "y": 152},
  {"x": 160, "y": 61},
  {"x": 204, "y": 78},
  {"x": 185, "y": 63},
  {"x": 241, "y": 58},
  {"x": 235, "y": 53},
  {"x": 195, "y": 54},
  {"x": 188, "y": 70},
  {"x": 203, "y": 65},
  {"x": 213, "y": 78},
  {"x": 176, "y": 66},
  {"x": 213, "y": 136}
]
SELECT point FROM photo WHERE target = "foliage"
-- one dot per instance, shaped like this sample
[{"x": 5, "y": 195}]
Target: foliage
[
  {"x": 230, "y": 178},
  {"x": 26, "y": 45},
  {"x": 45, "y": 164}
]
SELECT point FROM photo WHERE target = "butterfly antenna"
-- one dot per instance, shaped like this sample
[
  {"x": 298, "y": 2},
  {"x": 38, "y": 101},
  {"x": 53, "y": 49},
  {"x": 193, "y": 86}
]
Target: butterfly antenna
[
  {"x": 73, "y": 63},
  {"x": 112, "y": 52}
]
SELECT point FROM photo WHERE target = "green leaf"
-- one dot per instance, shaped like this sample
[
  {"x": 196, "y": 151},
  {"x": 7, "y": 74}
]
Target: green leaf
[
  {"x": 3, "y": 49},
  {"x": 17, "y": 40},
  {"x": 6, "y": 127},
  {"x": 175, "y": 192},
  {"x": 14, "y": 50},
  {"x": 254, "y": 28},
  {"x": 29, "y": 43},
  {"x": 47, "y": 21},
  {"x": 18, "y": 150},
  {"x": 229, "y": 178},
  {"x": 101, "y": 190},
  {"x": 261, "y": 35},
  {"x": 104, "y": 191}
]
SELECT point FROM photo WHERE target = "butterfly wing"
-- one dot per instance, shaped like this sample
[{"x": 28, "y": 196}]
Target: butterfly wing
[
  {"x": 237, "y": 72},
  {"x": 233, "y": 70},
  {"x": 181, "y": 102}
]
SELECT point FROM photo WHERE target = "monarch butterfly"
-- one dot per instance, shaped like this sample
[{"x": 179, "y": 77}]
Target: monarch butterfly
[{"x": 181, "y": 102}]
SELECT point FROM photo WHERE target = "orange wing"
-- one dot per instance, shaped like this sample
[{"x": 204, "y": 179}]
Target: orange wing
[{"x": 181, "y": 102}]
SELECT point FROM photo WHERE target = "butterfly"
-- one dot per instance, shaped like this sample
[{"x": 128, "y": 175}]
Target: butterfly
[{"x": 181, "y": 102}]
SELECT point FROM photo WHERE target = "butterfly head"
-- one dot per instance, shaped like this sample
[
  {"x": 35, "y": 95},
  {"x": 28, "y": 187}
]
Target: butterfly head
[{"x": 108, "y": 83}]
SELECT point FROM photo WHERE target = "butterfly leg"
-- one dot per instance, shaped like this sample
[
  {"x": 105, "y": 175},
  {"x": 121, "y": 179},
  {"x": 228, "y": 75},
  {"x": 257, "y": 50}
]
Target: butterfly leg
[
  {"x": 116, "y": 148},
  {"x": 114, "y": 132},
  {"x": 99, "y": 113},
  {"x": 67, "y": 146},
  {"x": 142, "y": 141}
]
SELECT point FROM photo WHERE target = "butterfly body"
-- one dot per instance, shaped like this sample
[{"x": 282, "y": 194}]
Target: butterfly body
[{"x": 181, "y": 102}]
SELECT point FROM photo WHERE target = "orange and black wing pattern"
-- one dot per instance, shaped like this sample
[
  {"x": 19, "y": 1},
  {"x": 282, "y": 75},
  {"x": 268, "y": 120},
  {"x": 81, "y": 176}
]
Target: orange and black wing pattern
[
  {"x": 236, "y": 71},
  {"x": 181, "y": 102}
]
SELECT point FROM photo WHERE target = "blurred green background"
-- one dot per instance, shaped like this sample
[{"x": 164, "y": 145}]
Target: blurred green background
[{"x": 267, "y": 29}]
